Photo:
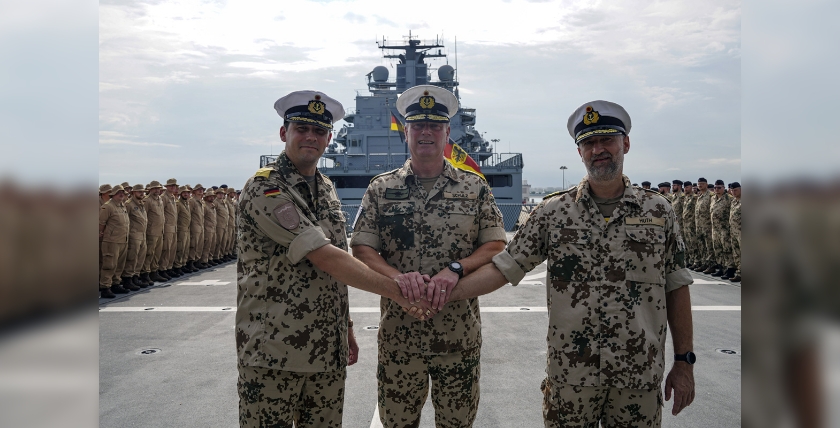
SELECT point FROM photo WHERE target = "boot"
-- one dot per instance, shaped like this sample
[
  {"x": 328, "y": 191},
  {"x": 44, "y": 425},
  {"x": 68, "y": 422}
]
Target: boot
[
  {"x": 144, "y": 278},
  {"x": 106, "y": 293},
  {"x": 177, "y": 272},
  {"x": 117, "y": 288},
  {"x": 203, "y": 265},
  {"x": 154, "y": 276},
  {"x": 718, "y": 271},
  {"x": 736, "y": 278},
  {"x": 190, "y": 267},
  {"x": 730, "y": 272},
  {"x": 132, "y": 284},
  {"x": 167, "y": 274},
  {"x": 710, "y": 269}
]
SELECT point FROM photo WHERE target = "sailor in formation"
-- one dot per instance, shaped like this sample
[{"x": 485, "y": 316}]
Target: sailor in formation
[{"x": 144, "y": 235}]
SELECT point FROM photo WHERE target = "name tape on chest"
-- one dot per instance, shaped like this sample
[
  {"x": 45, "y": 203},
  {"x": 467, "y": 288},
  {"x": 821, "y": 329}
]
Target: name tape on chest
[
  {"x": 459, "y": 195},
  {"x": 644, "y": 221},
  {"x": 396, "y": 193},
  {"x": 287, "y": 215}
]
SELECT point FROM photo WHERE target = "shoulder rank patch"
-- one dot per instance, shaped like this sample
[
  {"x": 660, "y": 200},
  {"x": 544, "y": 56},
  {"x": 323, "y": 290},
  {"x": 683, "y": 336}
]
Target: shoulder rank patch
[
  {"x": 396, "y": 193},
  {"x": 645, "y": 221},
  {"x": 287, "y": 215},
  {"x": 263, "y": 172},
  {"x": 272, "y": 192}
]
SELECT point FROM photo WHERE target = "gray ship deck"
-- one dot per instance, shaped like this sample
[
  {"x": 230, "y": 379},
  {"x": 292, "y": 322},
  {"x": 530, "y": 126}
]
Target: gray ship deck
[{"x": 191, "y": 381}]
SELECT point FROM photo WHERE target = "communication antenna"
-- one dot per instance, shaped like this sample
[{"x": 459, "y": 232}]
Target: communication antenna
[{"x": 456, "y": 59}]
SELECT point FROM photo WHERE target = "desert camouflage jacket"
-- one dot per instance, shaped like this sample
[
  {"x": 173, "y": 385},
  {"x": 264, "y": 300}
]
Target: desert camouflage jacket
[
  {"x": 291, "y": 316},
  {"x": 703, "y": 213},
  {"x": 416, "y": 231},
  {"x": 735, "y": 216},
  {"x": 720, "y": 212},
  {"x": 689, "y": 203},
  {"x": 607, "y": 320}
]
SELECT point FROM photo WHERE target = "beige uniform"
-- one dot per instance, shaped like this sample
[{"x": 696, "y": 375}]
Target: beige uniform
[
  {"x": 233, "y": 209},
  {"x": 170, "y": 231},
  {"x": 419, "y": 231},
  {"x": 735, "y": 232},
  {"x": 607, "y": 315},
  {"x": 154, "y": 232},
  {"x": 291, "y": 320},
  {"x": 182, "y": 250},
  {"x": 209, "y": 231},
  {"x": 222, "y": 218},
  {"x": 196, "y": 228},
  {"x": 136, "y": 237},
  {"x": 114, "y": 243}
]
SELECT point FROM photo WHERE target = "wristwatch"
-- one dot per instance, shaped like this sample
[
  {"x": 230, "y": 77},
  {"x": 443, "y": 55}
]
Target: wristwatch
[
  {"x": 457, "y": 268},
  {"x": 688, "y": 357}
]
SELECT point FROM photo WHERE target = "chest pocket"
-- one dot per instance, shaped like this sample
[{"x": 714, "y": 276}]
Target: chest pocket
[
  {"x": 568, "y": 254},
  {"x": 396, "y": 224},
  {"x": 333, "y": 222},
  {"x": 645, "y": 253}
]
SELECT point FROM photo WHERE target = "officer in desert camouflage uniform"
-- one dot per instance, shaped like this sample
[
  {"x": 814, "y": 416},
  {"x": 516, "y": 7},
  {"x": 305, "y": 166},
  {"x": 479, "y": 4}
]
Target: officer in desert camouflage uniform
[
  {"x": 677, "y": 201},
  {"x": 294, "y": 337},
  {"x": 719, "y": 208},
  {"x": 113, "y": 243},
  {"x": 428, "y": 222},
  {"x": 615, "y": 280},
  {"x": 182, "y": 249},
  {"x": 735, "y": 228},
  {"x": 703, "y": 227},
  {"x": 690, "y": 228}
]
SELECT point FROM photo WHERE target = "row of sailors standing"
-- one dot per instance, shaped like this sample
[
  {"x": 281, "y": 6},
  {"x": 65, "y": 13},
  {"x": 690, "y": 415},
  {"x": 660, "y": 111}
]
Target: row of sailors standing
[
  {"x": 710, "y": 221},
  {"x": 151, "y": 234}
]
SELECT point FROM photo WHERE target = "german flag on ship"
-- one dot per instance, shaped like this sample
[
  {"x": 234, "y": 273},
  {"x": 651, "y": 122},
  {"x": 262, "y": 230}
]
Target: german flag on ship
[{"x": 460, "y": 159}]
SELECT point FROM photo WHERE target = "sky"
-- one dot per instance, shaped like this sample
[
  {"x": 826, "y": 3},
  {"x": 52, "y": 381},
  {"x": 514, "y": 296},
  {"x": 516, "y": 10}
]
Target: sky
[{"x": 186, "y": 88}]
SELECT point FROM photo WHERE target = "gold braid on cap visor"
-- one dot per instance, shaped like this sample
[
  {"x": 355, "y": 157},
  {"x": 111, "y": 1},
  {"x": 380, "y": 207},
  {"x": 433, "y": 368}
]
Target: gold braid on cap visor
[
  {"x": 421, "y": 117},
  {"x": 597, "y": 132},
  {"x": 308, "y": 120}
]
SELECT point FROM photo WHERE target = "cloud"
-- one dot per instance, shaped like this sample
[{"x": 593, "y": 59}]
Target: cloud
[
  {"x": 720, "y": 161},
  {"x": 354, "y": 18},
  {"x": 114, "y": 138}
]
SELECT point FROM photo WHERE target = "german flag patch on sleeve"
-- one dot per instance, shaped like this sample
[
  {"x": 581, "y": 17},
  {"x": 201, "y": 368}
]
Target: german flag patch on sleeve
[{"x": 272, "y": 192}]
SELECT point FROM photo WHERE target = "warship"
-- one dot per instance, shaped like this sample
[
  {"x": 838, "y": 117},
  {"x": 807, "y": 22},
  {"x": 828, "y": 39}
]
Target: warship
[{"x": 371, "y": 141}]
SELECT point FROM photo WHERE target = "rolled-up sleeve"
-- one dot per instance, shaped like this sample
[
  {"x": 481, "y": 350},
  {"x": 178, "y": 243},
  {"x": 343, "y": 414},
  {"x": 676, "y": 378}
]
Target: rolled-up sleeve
[
  {"x": 526, "y": 250},
  {"x": 491, "y": 225},
  {"x": 366, "y": 230},
  {"x": 508, "y": 267}
]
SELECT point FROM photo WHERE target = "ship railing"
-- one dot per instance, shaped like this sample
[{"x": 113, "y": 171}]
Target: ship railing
[
  {"x": 513, "y": 215},
  {"x": 389, "y": 161}
]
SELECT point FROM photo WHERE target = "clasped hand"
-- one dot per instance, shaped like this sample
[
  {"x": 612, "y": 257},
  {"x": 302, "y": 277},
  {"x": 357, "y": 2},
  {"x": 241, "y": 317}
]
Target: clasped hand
[{"x": 425, "y": 296}]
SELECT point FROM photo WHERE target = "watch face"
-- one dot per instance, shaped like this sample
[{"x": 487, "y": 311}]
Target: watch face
[
  {"x": 691, "y": 358},
  {"x": 455, "y": 265}
]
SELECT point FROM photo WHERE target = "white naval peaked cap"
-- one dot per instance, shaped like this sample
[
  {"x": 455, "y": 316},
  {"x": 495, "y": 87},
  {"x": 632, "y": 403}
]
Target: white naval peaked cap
[
  {"x": 310, "y": 107},
  {"x": 598, "y": 118},
  {"x": 427, "y": 103}
]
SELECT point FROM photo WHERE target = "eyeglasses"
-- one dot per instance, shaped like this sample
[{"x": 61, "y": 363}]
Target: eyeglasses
[{"x": 420, "y": 126}]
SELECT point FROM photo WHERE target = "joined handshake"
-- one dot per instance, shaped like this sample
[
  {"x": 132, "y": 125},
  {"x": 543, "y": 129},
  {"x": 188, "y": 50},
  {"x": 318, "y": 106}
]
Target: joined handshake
[{"x": 426, "y": 296}]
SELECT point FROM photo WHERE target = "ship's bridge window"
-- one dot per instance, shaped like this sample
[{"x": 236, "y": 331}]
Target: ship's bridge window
[
  {"x": 354, "y": 143},
  {"x": 505, "y": 180}
]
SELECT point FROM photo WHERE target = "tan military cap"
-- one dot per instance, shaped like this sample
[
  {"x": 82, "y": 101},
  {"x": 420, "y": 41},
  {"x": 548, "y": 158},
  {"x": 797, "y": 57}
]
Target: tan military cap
[
  {"x": 155, "y": 185},
  {"x": 105, "y": 188},
  {"x": 198, "y": 186},
  {"x": 210, "y": 192},
  {"x": 189, "y": 189},
  {"x": 117, "y": 188},
  {"x": 172, "y": 182},
  {"x": 231, "y": 190},
  {"x": 125, "y": 185},
  {"x": 183, "y": 189},
  {"x": 138, "y": 188}
]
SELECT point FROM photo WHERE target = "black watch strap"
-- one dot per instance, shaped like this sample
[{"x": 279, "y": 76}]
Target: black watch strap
[{"x": 689, "y": 357}]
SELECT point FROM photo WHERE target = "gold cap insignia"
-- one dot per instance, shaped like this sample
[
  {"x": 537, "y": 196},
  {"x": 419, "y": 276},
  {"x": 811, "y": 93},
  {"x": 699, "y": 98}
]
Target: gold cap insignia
[
  {"x": 316, "y": 107},
  {"x": 591, "y": 116},
  {"x": 427, "y": 102}
]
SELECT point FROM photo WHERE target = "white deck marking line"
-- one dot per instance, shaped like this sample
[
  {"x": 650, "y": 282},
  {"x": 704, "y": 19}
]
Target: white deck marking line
[
  {"x": 706, "y": 281},
  {"x": 370, "y": 309},
  {"x": 375, "y": 422},
  {"x": 205, "y": 282}
]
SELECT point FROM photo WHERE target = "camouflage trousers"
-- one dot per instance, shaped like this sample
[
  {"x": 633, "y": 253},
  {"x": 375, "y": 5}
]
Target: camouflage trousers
[
  {"x": 113, "y": 263},
  {"x": 690, "y": 239},
  {"x": 735, "y": 238},
  {"x": 403, "y": 385},
  {"x": 705, "y": 252},
  {"x": 154, "y": 248},
  {"x": 723, "y": 248},
  {"x": 282, "y": 399},
  {"x": 570, "y": 406}
]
